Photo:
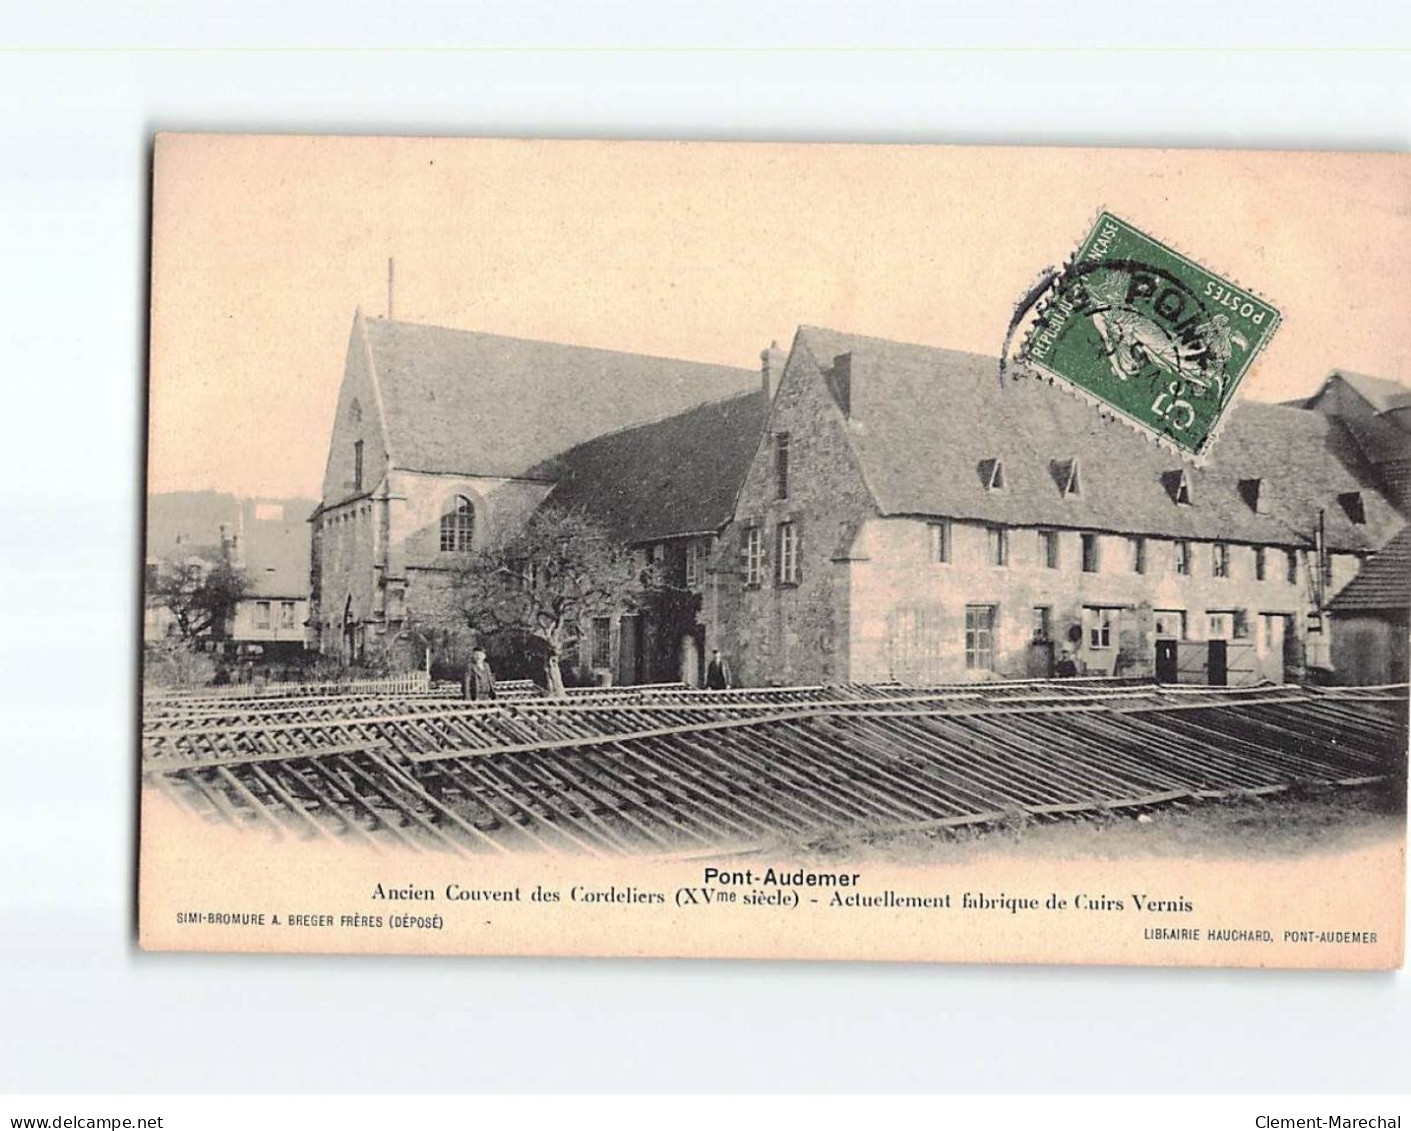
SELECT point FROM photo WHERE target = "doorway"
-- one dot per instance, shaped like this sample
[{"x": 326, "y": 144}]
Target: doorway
[
  {"x": 1166, "y": 665},
  {"x": 1218, "y": 664}
]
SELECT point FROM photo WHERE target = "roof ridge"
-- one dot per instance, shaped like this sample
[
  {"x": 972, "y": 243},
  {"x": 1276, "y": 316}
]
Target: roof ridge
[
  {"x": 874, "y": 338},
  {"x": 381, "y": 322}
]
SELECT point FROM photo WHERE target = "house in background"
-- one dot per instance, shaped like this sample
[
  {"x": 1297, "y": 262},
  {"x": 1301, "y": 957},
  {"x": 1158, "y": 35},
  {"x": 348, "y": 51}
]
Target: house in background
[
  {"x": 267, "y": 538},
  {"x": 445, "y": 438},
  {"x": 1376, "y": 412},
  {"x": 1369, "y": 618},
  {"x": 910, "y": 515},
  {"x": 273, "y": 550}
]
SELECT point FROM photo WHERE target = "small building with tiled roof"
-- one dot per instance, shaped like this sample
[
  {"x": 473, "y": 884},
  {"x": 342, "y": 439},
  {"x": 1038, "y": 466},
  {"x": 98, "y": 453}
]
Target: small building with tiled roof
[
  {"x": 1368, "y": 620},
  {"x": 912, "y": 515},
  {"x": 268, "y": 539}
]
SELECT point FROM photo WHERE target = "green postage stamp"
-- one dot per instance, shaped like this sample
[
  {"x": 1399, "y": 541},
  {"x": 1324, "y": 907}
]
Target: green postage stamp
[{"x": 1154, "y": 336}]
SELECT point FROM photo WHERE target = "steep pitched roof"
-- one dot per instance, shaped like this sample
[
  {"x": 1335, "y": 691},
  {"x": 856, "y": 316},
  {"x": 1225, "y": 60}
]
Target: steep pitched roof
[
  {"x": 275, "y": 554},
  {"x": 671, "y": 477},
  {"x": 1384, "y": 583},
  {"x": 481, "y": 404},
  {"x": 923, "y": 419},
  {"x": 1379, "y": 440},
  {"x": 1382, "y": 393}
]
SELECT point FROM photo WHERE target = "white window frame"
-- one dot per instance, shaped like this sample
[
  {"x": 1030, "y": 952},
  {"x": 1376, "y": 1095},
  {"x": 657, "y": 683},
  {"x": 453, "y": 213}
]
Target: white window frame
[
  {"x": 997, "y": 538},
  {"x": 788, "y": 554},
  {"x": 1042, "y": 626},
  {"x": 1099, "y": 633},
  {"x": 457, "y": 522},
  {"x": 754, "y": 556},
  {"x": 980, "y": 640}
]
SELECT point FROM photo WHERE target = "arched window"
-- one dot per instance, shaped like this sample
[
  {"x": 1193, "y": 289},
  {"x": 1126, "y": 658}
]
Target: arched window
[{"x": 457, "y": 526}]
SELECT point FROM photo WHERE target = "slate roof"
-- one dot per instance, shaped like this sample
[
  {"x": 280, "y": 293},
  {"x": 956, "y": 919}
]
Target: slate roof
[
  {"x": 1382, "y": 393},
  {"x": 671, "y": 477},
  {"x": 183, "y": 523},
  {"x": 482, "y": 404},
  {"x": 1384, "y": 583},
  {"x": 1380, "y": 440},
  {"x": 925, "y": 420},
  {"x": 275, "y": 554}
]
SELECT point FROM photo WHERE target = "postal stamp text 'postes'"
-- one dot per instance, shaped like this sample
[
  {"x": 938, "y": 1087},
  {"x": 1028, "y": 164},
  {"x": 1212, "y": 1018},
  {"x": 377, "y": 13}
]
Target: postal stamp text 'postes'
[{"x": 1154, "y": 336}]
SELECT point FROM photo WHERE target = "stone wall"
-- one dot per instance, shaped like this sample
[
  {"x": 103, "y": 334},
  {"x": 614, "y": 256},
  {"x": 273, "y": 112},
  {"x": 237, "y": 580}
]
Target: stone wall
[
  {"x": 780, "y": 633},
  {"x": 908, "y": 612}
]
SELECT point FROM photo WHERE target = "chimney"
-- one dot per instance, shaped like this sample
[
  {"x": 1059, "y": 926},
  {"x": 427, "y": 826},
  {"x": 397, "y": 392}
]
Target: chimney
[{"x": 771, "y": 368}]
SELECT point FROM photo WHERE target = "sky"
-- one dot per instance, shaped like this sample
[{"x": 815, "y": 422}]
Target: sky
[{"x": 263, "y": 247}]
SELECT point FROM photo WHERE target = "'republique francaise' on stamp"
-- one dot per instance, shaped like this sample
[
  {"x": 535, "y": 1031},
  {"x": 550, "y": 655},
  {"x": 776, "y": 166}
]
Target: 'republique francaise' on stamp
[{"x": 1149, "y": 333}]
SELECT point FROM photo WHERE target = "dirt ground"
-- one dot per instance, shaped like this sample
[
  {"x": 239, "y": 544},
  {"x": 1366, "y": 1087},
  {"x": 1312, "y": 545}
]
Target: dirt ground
[{"x": 1294, "y": 822}]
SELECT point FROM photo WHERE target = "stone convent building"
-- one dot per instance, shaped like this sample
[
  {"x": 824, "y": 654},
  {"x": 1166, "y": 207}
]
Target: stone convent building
[{"x": 855, "y": 510}]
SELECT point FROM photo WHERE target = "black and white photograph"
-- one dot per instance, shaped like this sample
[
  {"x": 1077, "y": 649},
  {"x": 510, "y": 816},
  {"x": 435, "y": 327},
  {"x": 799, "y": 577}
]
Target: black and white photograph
[
  {"x": 570, "y": 534},
  {"x": 731, "y": 565}
]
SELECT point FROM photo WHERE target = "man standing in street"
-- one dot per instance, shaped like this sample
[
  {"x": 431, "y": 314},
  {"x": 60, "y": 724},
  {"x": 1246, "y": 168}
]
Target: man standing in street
[
  {"x": 717, "y": 672},
  {"x": 479, "y": 682}
]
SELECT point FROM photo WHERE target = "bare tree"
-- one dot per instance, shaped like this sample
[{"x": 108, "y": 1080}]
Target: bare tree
[
  {"x": 547, "y": 581},
  {"x": 200, "y": 594}
]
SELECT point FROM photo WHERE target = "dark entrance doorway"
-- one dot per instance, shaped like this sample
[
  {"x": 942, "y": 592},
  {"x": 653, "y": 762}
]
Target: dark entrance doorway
[
  {"x": 630, "y": 651},
  {"x": 1218, "y": 664},
  {"x": 1166, "y": 661}
]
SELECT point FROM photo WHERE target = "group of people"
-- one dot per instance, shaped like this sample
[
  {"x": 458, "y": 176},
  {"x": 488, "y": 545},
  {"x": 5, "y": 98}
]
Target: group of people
[{"x": 479, "y": 679}]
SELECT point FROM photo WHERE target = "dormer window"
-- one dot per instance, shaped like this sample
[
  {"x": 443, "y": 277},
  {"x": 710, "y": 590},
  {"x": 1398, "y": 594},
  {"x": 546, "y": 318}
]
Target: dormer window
[
  {"x": 1352, "y": 503},
  {"x": 992, "y": 474},
  {"x": 1183, "y": 489},
  {"x": 1257, "y": 493}
]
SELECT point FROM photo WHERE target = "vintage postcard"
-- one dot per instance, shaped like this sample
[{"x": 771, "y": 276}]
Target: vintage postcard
[{"x": 784, "y": 551}]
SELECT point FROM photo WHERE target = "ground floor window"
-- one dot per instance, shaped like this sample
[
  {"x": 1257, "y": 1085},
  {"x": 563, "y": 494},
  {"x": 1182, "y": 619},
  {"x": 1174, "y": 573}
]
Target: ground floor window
[
  {"x": 1170, "y": 624},
  {"x": 1219, "y": 626},
  {"x": 602, "y": 642},
  {"x": 1099, "y": 624},
  {"x": 1043, "y": 622},
  {"x": 916, "y": 644},
  {"x": 980, "y": 637}
]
